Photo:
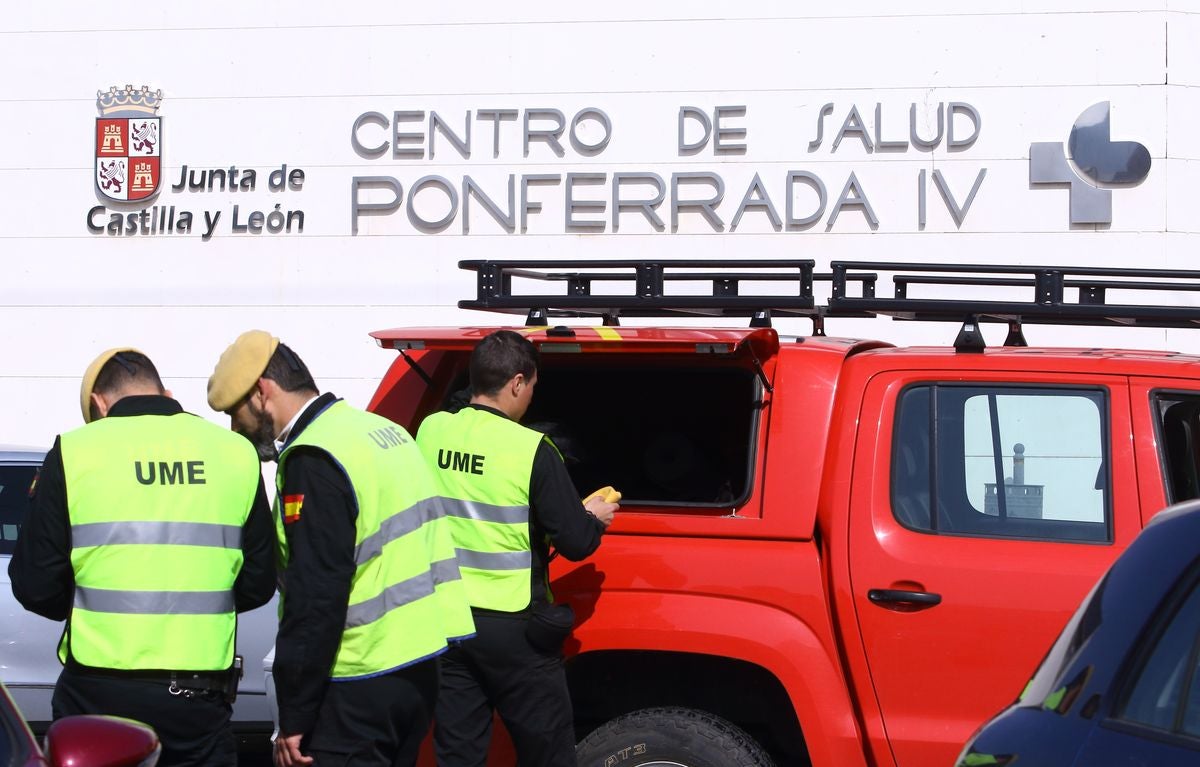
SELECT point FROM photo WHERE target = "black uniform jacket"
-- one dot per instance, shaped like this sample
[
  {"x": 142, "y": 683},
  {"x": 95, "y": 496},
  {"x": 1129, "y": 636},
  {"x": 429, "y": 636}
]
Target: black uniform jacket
[
  {"x": 316, "y": 582},
  {"x": 40, "y": 570}
]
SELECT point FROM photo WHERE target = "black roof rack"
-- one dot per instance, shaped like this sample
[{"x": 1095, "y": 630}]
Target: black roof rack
[
  {"x": 1014, "y": 294},
  {"x": 649, "y": 289},
  {"x": 1056, "y": 295}
]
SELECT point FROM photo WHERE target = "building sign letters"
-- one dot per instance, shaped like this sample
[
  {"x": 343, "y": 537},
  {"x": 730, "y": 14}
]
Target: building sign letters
[
  {"x": 130, "y": 175},
  {"x": 596, "y": 202}
]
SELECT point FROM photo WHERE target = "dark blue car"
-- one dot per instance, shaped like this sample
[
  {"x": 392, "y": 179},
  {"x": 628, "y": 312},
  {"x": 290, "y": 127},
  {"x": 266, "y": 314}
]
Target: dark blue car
[{"x": 1121, "y": 685}]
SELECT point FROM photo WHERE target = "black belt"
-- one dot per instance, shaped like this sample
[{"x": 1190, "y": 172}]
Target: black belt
[
  {"x": 207, "y": 681},
  {"x": 212, "y": 681}
]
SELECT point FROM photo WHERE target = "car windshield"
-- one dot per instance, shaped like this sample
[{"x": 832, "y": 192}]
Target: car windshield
[
  {"x": 1082, "y": 625},
  {"x": 14, "y": 502}
]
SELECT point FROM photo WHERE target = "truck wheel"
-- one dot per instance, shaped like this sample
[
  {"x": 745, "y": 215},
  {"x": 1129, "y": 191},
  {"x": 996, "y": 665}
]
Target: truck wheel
[{"x": 670, "y": 737}]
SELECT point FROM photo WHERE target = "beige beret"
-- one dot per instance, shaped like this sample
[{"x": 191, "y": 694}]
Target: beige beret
[
  {"x": 89, "y": 379},
  {"x": 240, "y": 366}
]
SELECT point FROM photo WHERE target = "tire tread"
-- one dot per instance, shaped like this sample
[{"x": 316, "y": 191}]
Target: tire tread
[{"x": 736, "y": 748}]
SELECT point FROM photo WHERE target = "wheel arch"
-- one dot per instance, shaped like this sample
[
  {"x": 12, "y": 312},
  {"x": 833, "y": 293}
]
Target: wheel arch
[{"x": 753, "y": 664}]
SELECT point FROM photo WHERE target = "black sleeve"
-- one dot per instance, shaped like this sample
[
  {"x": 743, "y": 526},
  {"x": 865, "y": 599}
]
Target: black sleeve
[
  {"x": 315, "y": 585},
  {"x": 40, "y": 569},
  {"x": 557, "y": 508},
  {"x": 256, "y": 582}
]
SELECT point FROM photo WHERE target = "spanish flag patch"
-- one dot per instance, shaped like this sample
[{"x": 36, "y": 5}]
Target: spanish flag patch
[{"x": 291, "y": 508}]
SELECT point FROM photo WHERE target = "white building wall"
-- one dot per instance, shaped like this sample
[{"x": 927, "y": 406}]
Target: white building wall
[{"x": 257, "y": 85}]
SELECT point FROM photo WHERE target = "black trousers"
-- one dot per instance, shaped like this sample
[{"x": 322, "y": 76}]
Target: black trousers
[
  {"x": 499, "y": 670},
  {"x": 193, "y": 731},
  {"x": 375, "y": 722}
]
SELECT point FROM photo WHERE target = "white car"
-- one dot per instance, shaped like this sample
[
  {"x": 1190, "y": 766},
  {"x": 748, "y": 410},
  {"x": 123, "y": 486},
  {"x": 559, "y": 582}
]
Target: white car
[{"x": 29, "y": 662}]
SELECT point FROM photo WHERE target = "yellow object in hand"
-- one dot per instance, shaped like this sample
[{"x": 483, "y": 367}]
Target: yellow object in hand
[{"x": 608, "y": 493}]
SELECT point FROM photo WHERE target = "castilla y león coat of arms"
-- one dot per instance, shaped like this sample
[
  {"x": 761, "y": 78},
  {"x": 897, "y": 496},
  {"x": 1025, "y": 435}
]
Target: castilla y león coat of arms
[{"x": 128, "y": 144}]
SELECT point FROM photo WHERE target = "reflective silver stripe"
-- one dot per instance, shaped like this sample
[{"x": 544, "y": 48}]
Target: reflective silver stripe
[
  {"x": 178, "y": 533},
  {"x": 495, "y": 560},
  {"x": 154, "y": 602},
  {"x": 397, "y": 526},
  {"x": 444, "y": 571},
  {"x": 486, "y": 512},
  {"x": 403, "y": 593}
]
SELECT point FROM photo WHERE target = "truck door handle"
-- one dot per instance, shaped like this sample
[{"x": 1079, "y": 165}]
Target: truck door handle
[{"x": 904, "y": 598}]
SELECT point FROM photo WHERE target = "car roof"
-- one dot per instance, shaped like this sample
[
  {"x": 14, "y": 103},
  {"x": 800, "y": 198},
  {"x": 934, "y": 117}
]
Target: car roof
[{"x": 21, "y": 454}]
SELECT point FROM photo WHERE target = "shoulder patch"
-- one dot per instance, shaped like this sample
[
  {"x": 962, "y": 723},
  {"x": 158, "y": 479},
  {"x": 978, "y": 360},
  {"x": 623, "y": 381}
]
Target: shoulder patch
[{"x": 291, "y": 508}]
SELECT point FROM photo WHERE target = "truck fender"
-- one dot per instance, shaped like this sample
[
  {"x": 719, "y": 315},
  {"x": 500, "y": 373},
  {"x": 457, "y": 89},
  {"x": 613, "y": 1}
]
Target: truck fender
[{"x": 773, "y": 639}]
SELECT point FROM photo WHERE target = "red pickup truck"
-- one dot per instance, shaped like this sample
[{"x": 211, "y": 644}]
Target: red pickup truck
[{"x": 830, "y": 551}]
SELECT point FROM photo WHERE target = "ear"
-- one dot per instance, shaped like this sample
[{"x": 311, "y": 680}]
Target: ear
[
  {"x": 101, "y": 404},
  {"x": 268, "y": 394},
  {"x": 266, "y": 388},
  {"x": 517, "y": 383},
  {"x": 167, "y": 393}
]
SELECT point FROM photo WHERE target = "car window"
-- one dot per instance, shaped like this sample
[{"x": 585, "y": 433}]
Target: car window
[
  {"x": 1179, "y": 442},
  {"x": 1165, "y": 691},
  {"x": 14, "y": 503},
  {"x": 1002, "y": 461}
]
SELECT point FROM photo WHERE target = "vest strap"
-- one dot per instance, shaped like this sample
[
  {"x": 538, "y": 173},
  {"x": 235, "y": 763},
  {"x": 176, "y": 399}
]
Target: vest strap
[
  {"x": 495, "y": 560},
  {"x": 154, "y": 602},
  {"x": 405, "y": 592},
  {"x": 395, "y": 527},
  {"x": 156, "y": 533},
  {"x": 486, "y": 512}
]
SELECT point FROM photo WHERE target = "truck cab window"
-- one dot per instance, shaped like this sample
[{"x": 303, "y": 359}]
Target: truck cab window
[
  {"x": 659, "y": 438},
  {"x": 1002, "y": 461},
  {"x": 673, "y": 434},
  {"x": 1179, "y": 442}
]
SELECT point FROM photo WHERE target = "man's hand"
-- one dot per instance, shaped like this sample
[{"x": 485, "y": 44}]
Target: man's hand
[
  {"x": 601, "y": 509},
  {"x": 287, "y": 751}
]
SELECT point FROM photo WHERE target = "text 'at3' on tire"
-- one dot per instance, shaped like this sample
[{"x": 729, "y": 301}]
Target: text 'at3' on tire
[{"x": 678, "y": 737}]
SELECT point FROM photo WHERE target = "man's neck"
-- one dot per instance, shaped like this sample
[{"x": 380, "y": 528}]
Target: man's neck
[
  {"x": 295, "y": 406},
  {"x": 494, "y": 403}
]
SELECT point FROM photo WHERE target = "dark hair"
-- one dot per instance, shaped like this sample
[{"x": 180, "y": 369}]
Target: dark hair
[
  {"x": 124, "y": 369},
  {"x": 289, "y": 371},
  {"x": 498, "y": 358}
]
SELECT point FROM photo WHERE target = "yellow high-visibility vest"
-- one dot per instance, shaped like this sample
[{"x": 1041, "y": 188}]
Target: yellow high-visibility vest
[
  {"x": 483, "y": 464},
  {"x": 407, "y": 597},
  {"x": 156, "y": 504}
]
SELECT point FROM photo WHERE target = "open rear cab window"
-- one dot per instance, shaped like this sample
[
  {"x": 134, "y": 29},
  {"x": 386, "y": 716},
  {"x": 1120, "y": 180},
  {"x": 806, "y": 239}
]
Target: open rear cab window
[{"x": 669, "y": 419}]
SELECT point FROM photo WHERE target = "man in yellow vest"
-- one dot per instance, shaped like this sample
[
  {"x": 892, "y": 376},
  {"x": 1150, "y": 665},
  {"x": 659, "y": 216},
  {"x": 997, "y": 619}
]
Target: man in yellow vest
[
  {"x": 371, "y": 592},
  {"x": 507, "y": 493},
  {"x": 149, "y": 531}
]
